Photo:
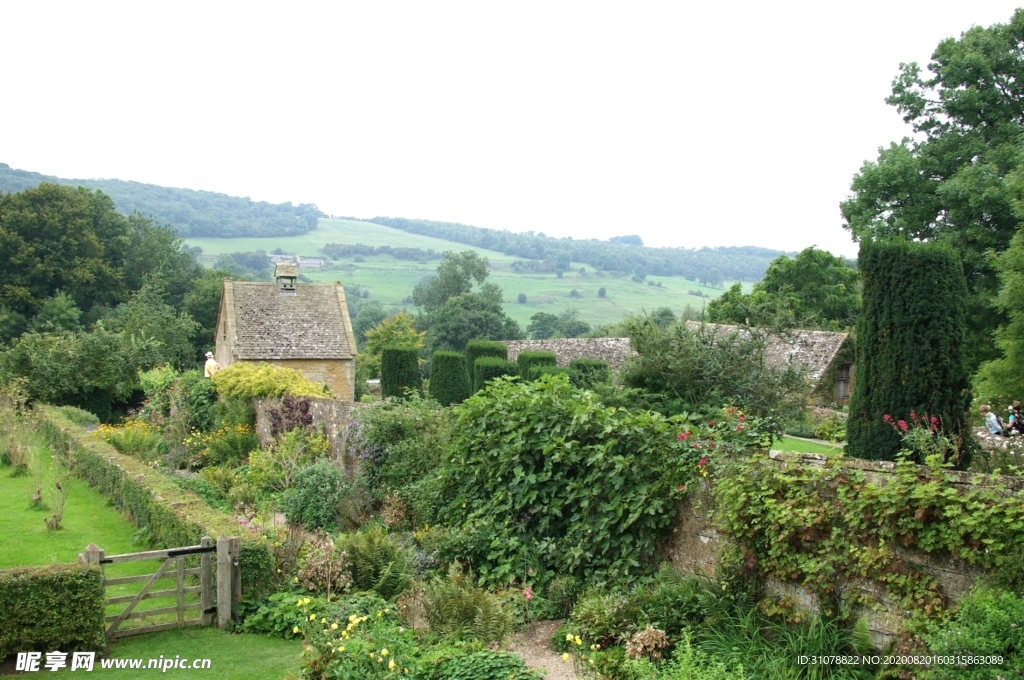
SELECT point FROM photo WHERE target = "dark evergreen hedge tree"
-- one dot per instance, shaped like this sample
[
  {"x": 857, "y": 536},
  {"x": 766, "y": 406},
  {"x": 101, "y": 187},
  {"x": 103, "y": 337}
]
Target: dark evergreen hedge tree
[
  {"x": 399, "y": 370},
  {"x": 910, "y": 347},
  {"x": 489, "y": 368},
  {"x": 589, "y": 372},
  {"x": 482, "y": 348},
  {"x": 528, "y": 359},
  {"x": 449, "y": 378}
]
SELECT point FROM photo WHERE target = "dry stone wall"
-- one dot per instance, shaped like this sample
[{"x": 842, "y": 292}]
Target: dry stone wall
[
  {"x": 614, "y": 351},
  {"x": 695, "y": 545},
  {"x": 331, "y": 416}
]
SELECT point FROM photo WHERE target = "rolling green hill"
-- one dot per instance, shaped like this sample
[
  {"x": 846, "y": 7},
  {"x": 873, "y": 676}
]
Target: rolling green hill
[{"x": 390, "y": 281}]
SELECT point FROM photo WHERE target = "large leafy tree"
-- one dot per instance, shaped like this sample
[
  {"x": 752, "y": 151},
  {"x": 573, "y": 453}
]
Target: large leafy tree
[
  {"x": 959, "y": 180},
  {"x": 55, "y": 238},
  {"x": 815, "y": 289}
]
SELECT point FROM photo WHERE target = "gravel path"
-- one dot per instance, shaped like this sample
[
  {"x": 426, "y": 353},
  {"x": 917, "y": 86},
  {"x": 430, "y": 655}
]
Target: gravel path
[{"x": 534, "y": 646}]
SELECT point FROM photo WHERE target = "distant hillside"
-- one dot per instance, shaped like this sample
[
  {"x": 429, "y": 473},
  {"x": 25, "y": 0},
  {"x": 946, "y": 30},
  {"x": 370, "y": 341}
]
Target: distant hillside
[
  {"x": 709, "y": 266},
  {"x": 191, "y": 213}
]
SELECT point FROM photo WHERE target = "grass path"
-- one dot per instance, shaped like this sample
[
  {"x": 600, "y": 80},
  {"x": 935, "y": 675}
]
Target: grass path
[{"x": 801, "y": 445}]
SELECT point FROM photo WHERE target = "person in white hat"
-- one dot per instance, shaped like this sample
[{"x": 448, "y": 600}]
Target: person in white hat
[{"x": 211, "y": 365}]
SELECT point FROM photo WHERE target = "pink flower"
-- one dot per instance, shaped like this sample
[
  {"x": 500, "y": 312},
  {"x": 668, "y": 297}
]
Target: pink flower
[
  {"x": 741, "y": 419},
  {"x": 703, "y": 461},
  {"x": 711, "y": 423},
  {"x": 683, "y": 436},
  {"x": 739, "y": 427},
  {"x": 682, "y": 487},
  {"x": 528, "y": 593},
  {"x": 886, "y": 417},
  {"x": 695, "y": 445},
  {"x": 913, "y": 415},
  {"x": 902, "y": 424}
]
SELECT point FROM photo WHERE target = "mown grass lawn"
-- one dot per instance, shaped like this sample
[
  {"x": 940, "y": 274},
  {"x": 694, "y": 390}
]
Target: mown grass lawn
[
  {"x": 232, "y": 657},
  {"x": 798, "y": 445}
]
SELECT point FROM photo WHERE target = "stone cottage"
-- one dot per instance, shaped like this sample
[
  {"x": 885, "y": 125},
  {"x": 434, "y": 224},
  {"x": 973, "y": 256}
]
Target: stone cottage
[{"x": 304, "y": 326}]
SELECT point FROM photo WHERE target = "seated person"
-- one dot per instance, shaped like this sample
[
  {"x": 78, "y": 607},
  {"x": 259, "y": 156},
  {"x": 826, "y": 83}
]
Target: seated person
[
  {"x": 992, "y": 422},
  {"x": 1016, "y": 418}
]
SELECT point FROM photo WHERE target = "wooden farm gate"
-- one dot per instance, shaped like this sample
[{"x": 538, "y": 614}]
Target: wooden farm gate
[{"x": 173, "y": 567}]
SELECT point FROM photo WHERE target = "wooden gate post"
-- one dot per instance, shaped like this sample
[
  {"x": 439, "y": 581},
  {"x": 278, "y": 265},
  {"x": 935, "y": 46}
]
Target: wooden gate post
[
  {"x": 236, "y": 576},
  {"x": 225, "y": 569},
  {"x": 206, "y": 581},
  {"x": 92, "y": 555}
]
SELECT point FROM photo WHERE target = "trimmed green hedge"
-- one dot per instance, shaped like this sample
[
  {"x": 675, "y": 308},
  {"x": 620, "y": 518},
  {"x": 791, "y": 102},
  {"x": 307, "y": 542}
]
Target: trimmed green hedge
[
  {"x": 489, "y": 368},
  {"x": 43, "y": 609},
  {"x": 449, "y": 379},
  {"x": 148, "y": 498},
  {"x": 399, "y": 371},
  {"x": 482, "y": 348},
  {"x": 589, "y": 372},
  {"x": 528, "y": 359}
]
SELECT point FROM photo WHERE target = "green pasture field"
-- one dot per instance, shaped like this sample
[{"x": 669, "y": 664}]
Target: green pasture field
[
  {"x": 232, "y": 657},
  {"x": 390, "y": 281}
]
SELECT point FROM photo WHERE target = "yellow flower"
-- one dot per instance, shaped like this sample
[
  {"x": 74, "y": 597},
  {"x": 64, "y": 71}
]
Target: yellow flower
[
  {"x": 565, "y": 656},
  {"x": 577, "y": 640},
  {"x": 312, "y": 617},
  {"x": 384, "y": 652},
  {"x": 391, "y": 664},
  {"x": 334, "y": 626},
  {"x": 295, "y": 630},
  {"x": 568, "y": 637}
]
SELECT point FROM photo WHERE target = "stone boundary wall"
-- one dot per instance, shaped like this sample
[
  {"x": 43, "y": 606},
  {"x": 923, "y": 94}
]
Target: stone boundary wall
[
  {"x": 614, "y": 351},
  {"x": 333, "y": 416},
  {"x": 694, "y": 546}
]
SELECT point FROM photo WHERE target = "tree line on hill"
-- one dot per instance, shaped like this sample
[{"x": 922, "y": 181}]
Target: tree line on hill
[
  {"x": 336, "y": 251},
  {"x": 188, "y": 212},
  {"x": 706, "y": 265}
]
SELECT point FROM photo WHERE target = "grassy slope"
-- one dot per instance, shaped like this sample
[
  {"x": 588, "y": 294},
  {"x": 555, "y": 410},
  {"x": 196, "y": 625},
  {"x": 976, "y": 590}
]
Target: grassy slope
[
  {"x": 390, "y": 281},
  {"x": 798, "y": 445}
]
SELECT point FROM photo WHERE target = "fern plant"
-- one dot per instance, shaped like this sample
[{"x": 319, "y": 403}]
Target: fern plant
[
  {"x": 455, "y": 606},
  {"x": 378, "y": 563}
]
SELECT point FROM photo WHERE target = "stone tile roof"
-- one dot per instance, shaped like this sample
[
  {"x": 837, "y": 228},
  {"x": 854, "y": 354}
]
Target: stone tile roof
[
  {"x": 308, "y": 325},
  {"x": 614, "y": 351},
  {"x": 811, "y": 351}
]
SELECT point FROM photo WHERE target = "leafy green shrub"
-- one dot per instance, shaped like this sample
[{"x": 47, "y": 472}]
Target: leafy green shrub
[
  {"x": 378, "y": 563},
  {"x": 61, "y": 606},
  {"x": 487, "y": 665},
  {"x": 211, "y": 493},
  {"x": 251, "y": 380},
  {"x": 528, "y": 359},
  {"x": 79, "y": 416},
  {"x": 987, "y": 623},
  {"x": 283, "y": 613},
  {"x": 454, "y": 605},
  {"x": 449, "y": 378},
  {"x": 228, "y": 445},
  {"x": 687, "y": 663},
  {"x": 274, "y": 469},
  {"x": 536, "y": 372},
  {"x": 399, "y": 372},
  {"x": 323, "y": 567},
  {"x": 313, "y": 502},
  {"x": 586, "y": 373},
  {"x": 540, "y": 472},
  {"x": 482, "y": 348},
  {"x": 489, "y": 368},
  {"x": 135, "y": 438}
]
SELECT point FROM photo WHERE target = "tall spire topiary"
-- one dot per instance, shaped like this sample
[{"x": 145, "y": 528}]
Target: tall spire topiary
[
  {"x": 399, "y": 371},
  {"x": 910, "y": 347}
]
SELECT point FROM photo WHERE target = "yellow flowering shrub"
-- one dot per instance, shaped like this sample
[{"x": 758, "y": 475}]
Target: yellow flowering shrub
[{"x": 249, "y": 380}]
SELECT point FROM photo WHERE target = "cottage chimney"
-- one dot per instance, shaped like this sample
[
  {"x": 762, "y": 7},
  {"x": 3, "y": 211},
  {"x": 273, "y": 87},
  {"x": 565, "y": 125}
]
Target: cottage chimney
[{"x": 286, "y": 273}]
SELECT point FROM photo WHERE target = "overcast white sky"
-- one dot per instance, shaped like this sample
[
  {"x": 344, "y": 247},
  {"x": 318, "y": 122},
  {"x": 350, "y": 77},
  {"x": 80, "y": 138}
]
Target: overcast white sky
[{"x": 689, "y": 123}]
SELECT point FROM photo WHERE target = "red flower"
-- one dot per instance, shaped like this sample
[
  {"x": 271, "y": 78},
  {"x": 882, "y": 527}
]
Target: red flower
[
  {"x": 913, "y": 415},
  {"x": 902, "y": 424},
  {"x": 739, "y": 427},
  {"x": 683, "y": 436},
  {"x": 741, "y": 419},
  {"x": 703, "y": 461},
  {"x": 682, "y": 487},
  {"x": 695, "y": 445},
  {"x": 711, "y": 423},
  {"x": 886, "y": 417}
]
